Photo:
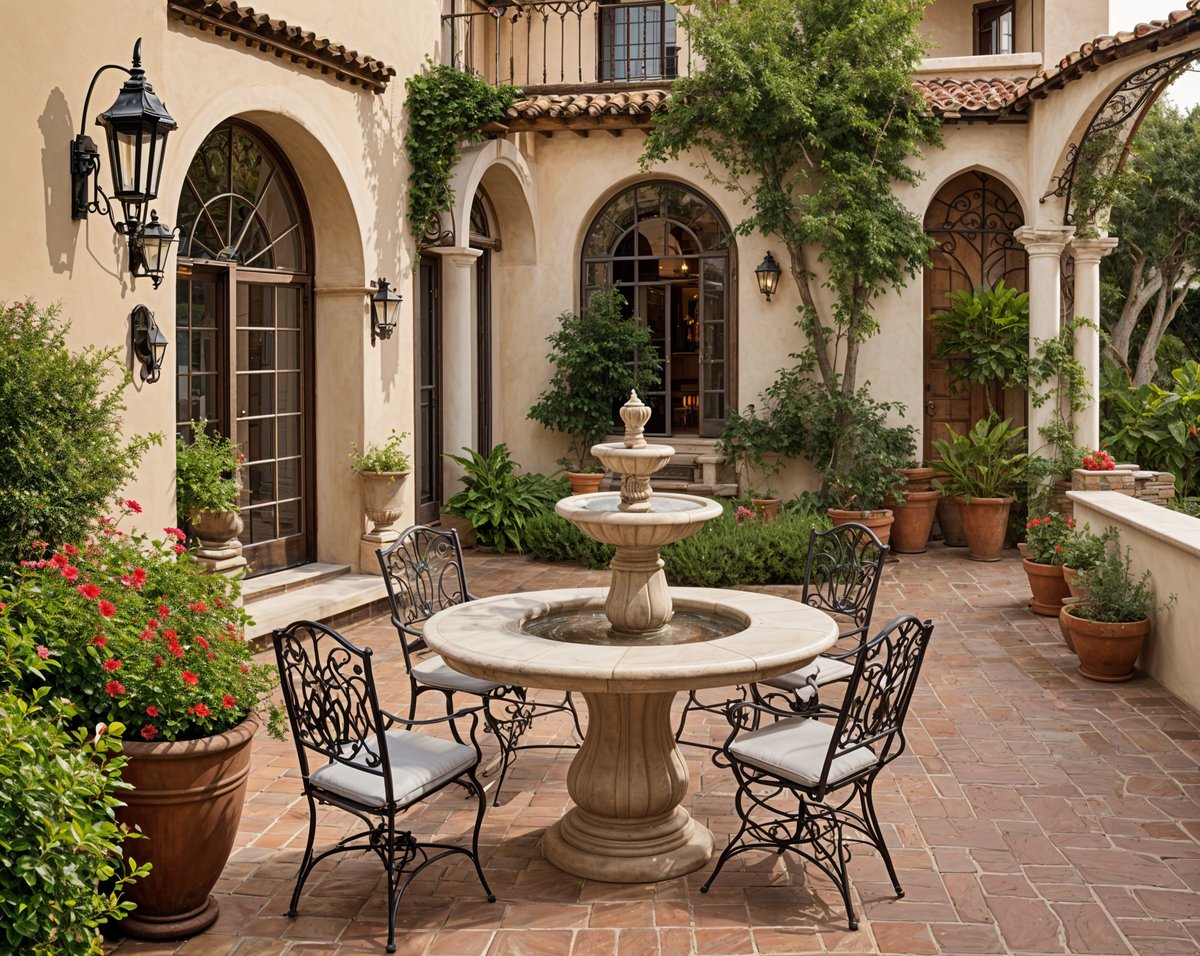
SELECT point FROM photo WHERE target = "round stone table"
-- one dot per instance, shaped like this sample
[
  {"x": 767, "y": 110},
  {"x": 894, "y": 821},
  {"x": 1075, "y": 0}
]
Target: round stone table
[{"x": 629, "y": 778}]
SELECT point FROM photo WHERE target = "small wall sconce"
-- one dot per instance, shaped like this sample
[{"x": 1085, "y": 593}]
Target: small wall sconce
[
  {"x": 149, "y": 344},
  {"x": 136, "y": 127},
  {"x": 384, "y": 305},
  {"x": 767, "y": 272}
]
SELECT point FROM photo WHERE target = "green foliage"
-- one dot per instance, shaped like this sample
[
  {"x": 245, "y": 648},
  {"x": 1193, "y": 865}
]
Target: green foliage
[
  {"x": 447, "y": 107},
  {"x": 1113, "y": 594},
  {"x": 388, "y": 457},
  {"x": 750, "y": 442},
  {"x": 1047, "y": 537},
  {"x": 1099, "y": 182},
  {"x": 1084, "y": 550},
  {"x": 598, "y": 359},
  {"x": 61, "y": 458},
  {"x": 497, "y": 501},
  {"x": 206, "y": 471},
  {"x": 1158, "y": 429},
  {"x": 551, "y": 538},
  {"x": 987, "y": 462},
  {"x": 984, "y": 335}
]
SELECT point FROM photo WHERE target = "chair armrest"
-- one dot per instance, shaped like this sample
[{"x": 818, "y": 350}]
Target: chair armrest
[{"x": 860, "y": 632}]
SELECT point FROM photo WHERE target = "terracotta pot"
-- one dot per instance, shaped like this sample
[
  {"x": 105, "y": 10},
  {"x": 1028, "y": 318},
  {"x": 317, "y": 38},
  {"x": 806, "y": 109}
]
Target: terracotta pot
[
  {"x": 1070, "y": 576},
  {"x": 383, "y": 498},
  {"x": 1048, "y": 587},
  {"x": 949, "y": 519},
  {"x": 1062, "y": 626},
  {"x": 187, "y": 800},
  {"x": 216, "y": 530},
  {"x": 584, "y": 482},
  {"x": 879, "y": 521},
  {"x": 914, "y": 520},
  {"x": 767, "y": 509},
  {"x": 461, "y": 524},
  {"x": 984, "y": 522},
  {"x": 919, "y": 479},
  {"x": 1107, "y": 652}
]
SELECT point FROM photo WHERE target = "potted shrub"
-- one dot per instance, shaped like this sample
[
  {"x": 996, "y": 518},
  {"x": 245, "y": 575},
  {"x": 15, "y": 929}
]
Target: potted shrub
[
  {"x": 751, "y": 445},
  {"x": 598, "y": 359},
  {"x": 207, "y": 486},
  {"x": 983, "y": 467},
  {"x": 1045, "y": 540},
  {"x": 382, "y": 469},
  {"x": 496, "y": 500},
  {"x": 866, "y": 474},
  {"x": 1082, "y": 551},
  {"x": 1109, "y": 628},
  {"x": 143, "y": 637}
]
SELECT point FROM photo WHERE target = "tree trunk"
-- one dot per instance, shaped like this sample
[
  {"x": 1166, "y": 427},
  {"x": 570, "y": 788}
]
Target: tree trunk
[
  {"x": 1143, "y": 286},
  {"x": 1171, "y": 296},
  {"x": 816, "y": 331}
]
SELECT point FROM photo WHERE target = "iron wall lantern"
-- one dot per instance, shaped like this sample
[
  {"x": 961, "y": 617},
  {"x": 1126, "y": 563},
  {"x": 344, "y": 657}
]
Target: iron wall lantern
[
  {"x": 149, "y": 344},
  {"x": 136, "y": 127},
  {"x": 384, "y": 305},
  {"x": 767, "y": 273}
]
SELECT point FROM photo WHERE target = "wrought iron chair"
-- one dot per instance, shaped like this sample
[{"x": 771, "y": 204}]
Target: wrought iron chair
[
  {"x": 375, "y": 766},
  {"x": 424, "y": 573},
  {"x": 806, "y": 785},
  {"x": 841, "y": 576}
]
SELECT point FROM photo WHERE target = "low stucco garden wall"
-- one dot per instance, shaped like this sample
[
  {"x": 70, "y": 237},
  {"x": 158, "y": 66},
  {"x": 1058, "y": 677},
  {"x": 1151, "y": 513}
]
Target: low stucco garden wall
[{"x": 1168, "y": 544}]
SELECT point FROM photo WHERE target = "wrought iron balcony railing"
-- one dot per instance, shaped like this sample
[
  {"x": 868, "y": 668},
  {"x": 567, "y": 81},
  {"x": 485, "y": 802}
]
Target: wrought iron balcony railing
[{"x": 561, "y": 42}]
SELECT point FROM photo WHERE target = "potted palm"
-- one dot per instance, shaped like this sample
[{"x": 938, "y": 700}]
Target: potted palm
[
  {"x": 1045, "y": 540},
  {"x": 598, "y": 359},
  {"x": 207, "y": 485},
  {"x": 1109, "y": 628},
  {"x": 983, "y": 467},
  {"x": 382, "y": 469}
]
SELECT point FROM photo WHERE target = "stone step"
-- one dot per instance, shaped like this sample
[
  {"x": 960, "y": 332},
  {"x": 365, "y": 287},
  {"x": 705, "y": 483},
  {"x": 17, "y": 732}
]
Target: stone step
[
  {"x": 336, "y": 601},
  {"x": 270, "y": 585}
]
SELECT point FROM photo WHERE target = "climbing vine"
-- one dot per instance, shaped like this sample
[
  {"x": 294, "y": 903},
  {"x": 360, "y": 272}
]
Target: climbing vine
[{"x": 447, "y": 108}]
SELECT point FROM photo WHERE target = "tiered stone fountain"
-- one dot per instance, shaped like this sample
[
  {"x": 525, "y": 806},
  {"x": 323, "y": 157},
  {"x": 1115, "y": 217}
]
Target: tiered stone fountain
[{"x": 630, "y": 649}]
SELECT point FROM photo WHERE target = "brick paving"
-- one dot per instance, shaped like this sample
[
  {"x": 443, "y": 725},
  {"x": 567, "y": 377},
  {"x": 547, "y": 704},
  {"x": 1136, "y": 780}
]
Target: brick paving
[{"x": 1034, "y": 812}]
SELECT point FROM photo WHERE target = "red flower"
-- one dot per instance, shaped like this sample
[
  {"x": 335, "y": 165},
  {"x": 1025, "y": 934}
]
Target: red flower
[
  {"x": 112, "y": 664},
  {"x": 151, "y": 711},
  {"x": 152, "y": 624},
  {"x": 190, "y": 678},
  {"x": 175, "y": 648},
  {"x": 107, "y": 608},
  {"x": 114, "y": 688},
  {"x": 211, "y": 655},
  {"x": 197, "y": 607},
  {"x": 59, "y": 560},
  {"x": 149, "y": 731},
  {"x": 228, "y": 702},
  {"x": 176, "y": 534},
  {"x": 43, "y": 652},
  {"x": 200, "y": 710},
  {"x": 158, "y": 660},
  {"x": 139, "y": 578},
  {"x": 169, "y": 635},
  {"x": 202, "y": 642},
  {"x": 1070, "y": 522},
  {"x": 133, "y": 506},
  {"x": 147, "y": 635},
  {"x": 99, "y": 640},
  {"x": 70, "y": 572},
  {"x": 1058, "y": 547},
  {"x": 71, "y": 549},
  {"x": 89, "y": 591},
  {"x": 164, "y": 611},
  {"x": 179, "y": 549},
  {"x": 245, "y": 669}
]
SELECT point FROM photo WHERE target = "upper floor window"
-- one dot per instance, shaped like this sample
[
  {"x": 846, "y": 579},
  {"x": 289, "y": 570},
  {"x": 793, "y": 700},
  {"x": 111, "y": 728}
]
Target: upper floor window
[
  {"x": 637, "y": 41},
  {"x": 994, "y": 28}
]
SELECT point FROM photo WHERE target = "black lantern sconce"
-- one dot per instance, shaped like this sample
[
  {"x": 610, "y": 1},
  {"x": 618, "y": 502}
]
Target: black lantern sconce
[
  {"x": 767, "y": 273},
  {"x": 149, "y": 344},
  {"x": 384, "y": 305},
  {"x": 136, "y": 127}
]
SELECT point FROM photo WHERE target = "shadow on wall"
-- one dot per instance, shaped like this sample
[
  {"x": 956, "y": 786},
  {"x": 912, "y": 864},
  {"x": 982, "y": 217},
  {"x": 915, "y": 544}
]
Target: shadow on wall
[{"x": 57, "y": 133}]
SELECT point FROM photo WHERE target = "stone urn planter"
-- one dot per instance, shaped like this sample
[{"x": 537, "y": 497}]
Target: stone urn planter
[
  {"x": 383, "y": 498},
  {"x": 879, "y": 521},
  {"x": 217, "y": 530},
  {"x": 767, "y": 509},
  {"x": 984, "y": 522},
  {"x": 1048, "y": 587},
  {"x": 585, "y": 482},
  {"x": 914, "y": 520},
  {"x": 1107, "y": 652},
  {"x": 187, "y": 799}
]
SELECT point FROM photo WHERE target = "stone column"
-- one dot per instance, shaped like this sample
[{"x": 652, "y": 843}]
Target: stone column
[
  {"x": 1088, "y": 253},
  {"x": 1045, "y": 245},
  {"x": 459, "y": 377}
]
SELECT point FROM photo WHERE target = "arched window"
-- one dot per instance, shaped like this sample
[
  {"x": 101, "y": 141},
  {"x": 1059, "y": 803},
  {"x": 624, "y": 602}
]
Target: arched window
[{"x": 667, "y": 249}]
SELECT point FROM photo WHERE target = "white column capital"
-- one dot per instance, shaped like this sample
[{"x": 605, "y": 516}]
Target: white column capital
[
  {"x": 1094, "y": 249},
  {"x": 1044, "y": 240},
  {"x": 460, "y": 256}
]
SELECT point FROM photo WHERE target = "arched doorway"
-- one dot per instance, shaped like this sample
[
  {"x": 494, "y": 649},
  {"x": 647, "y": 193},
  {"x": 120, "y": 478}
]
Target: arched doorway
[
  {"x": 244, "y": 333},
  {"x": 971, "y": 220},
  {"x": 667, "y": 249}
]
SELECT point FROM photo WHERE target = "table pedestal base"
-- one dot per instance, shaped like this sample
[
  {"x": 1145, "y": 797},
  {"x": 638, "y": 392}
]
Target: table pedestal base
[{"x": 614, "y": 851}]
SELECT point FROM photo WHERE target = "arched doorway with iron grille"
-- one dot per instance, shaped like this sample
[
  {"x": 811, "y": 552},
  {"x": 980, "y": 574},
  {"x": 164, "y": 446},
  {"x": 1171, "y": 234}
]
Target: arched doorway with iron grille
[{"x": 244, "y": 333}]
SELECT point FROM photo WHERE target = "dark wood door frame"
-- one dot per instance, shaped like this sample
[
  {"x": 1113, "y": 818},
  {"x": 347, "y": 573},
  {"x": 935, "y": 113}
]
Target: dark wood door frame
[{"x": 427, "y": 348}]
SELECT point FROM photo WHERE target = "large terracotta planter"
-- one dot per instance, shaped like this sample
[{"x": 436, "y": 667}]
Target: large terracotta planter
[
  {"x": 767, "y": 509},
  {"x": 1048, "y": 587},
  {"x": 216, "y": 530},
  {"x": 984, "y": 522},
  {"x": 919, "y": 479},
  {"x": 914, "y": 520},
  {"x": 949, "y": 519},
  {"x": 585, "y": 482},
  {"x": 187, "y": 800},
  {"x": 1062, "y": 626},
  {"x": 1107, "y": 652},
  {"x": 879, "y": 521},
  {"x": 383, "y": 498},
  {"x": 1071, "y": 577}
]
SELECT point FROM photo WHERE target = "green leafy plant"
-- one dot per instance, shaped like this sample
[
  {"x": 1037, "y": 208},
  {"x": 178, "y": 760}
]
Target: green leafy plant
[
  {"x": 751, "y": 444},
  {"x": 1046, "y": 538},
  {"x": 447, "y": 107},
  {"x": 986, "y": 462},
  {"x": 598, "y": 359},
  {"x": 388, "y": 457},
  {"x": 206, "y": 471},
  {"x": 984, "y": 335},
  {"x": 551, "y": 538},
  {"x": 1083, "y": 550},
  {"x": 62, "y": 457},
  {"x": 1115, "y": 596},
  {"x": 867, "y": 470},
  {"x": 497, "y": 501}
]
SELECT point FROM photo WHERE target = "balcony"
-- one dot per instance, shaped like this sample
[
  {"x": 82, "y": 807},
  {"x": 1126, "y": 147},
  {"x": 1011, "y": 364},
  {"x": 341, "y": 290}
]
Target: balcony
[{"x": 564, "y": 43}]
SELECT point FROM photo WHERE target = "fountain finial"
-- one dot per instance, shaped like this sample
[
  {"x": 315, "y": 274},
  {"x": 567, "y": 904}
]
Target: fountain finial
[{"x": 635, "y": 413}]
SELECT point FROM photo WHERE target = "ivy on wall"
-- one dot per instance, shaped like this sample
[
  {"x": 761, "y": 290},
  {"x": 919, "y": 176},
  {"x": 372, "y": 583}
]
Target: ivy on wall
[{"x": 447, "y": 108}]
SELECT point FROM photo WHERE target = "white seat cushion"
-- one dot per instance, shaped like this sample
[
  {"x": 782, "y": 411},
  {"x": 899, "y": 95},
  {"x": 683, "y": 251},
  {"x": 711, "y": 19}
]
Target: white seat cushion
[
  {"x": 826, "y": 669},
  {"x": 435, "y": 672},
  {"x": 419, "y": 763},
  {"x": 795, "y": 749}
]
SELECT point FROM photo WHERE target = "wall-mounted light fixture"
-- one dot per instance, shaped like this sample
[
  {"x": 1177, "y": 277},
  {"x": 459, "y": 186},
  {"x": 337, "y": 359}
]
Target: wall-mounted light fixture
[
  {"x": 767, "y": 272},
  {"x": 136, "y": 127},
  {"x": 149, "y": 344},
  {"x": 384, "y": 306}
]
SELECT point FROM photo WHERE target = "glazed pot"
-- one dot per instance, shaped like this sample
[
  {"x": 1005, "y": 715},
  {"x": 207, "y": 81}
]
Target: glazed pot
[
  {"x": 1071, "y": 576},
  {"x": 879, "y": 521},
  {"x": 914, "y": 520},
  {"x": 1048, "y": 587},
  {"x": 187, "y": 799},
  {"x": 585, "y": 482},
  {"x": 216, "y": 530},
  {"x": 383, "y": 498},
  {"x": 1107, "y": 652},
  {"x": 919, "y": 479},
  {"x": 984, "y": 522},
  {"x": 767, "y": 509},
  {"x": 949, "y": 519}
]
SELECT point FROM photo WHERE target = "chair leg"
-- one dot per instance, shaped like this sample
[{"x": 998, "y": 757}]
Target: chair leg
[
  {"x": 491, "y": 897},
  {"x": 392, "y": 898},
  {"x": 875, "y": 831},
  {"x": 508, "y": 734},
  {"x": 688, "y": 706},
  {"x": 306, "y": 861},
  {"x": 731, "y": 848},
  {"x": 844, "y": 883}
]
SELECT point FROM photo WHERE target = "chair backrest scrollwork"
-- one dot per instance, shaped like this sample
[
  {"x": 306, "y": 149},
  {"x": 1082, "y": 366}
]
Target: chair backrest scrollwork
[{"x": 842, "y": 573}]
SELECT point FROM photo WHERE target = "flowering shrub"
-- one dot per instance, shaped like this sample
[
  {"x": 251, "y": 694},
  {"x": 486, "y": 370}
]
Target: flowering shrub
[
  {"x": 1046, "y": 537},
  {"x": 142, "y": 635},
  {"x": 1099, "y": 460}
]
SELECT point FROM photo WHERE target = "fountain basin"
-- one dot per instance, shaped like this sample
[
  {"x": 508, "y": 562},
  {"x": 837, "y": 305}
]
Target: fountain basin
[{"x": 674, "y": 516}]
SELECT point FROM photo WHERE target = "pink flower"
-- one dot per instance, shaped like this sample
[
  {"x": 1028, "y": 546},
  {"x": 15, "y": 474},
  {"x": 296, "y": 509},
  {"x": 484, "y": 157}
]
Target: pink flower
[
  {"x": 43, "y": 652},
  {"x": 151, "y": 711},
  {"x": 114, "y": 688},
  {"x": 112, "y": 664},
  {"x": 99, "y": 640},
  {"x": 149, "y": 731},
  {"x": 107, "y": 608},
  {"x": 70, "y": 572},
  {"x": 228, "y": 702},
  {"x": 59, "y": 560},
  {"x": 71, "y": 549},
  {"x": 190, "y": 678},
  {"x": 179, "y": 549},
  {"x": 133, "y": 506},
  {"x": 175, "y": 533},
  {"x": 89, "y": 591}
]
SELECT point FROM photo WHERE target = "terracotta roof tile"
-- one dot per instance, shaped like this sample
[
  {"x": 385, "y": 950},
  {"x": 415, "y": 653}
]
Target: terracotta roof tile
[
  {"x": 962, "y": 96},
  {"x": 567, "y": 106},
  {"x": 242, "y": 24}
]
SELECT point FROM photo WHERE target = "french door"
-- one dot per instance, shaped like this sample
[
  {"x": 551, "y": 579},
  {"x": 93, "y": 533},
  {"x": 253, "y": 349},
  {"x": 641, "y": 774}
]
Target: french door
[{"x": 428, "y": 349}]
